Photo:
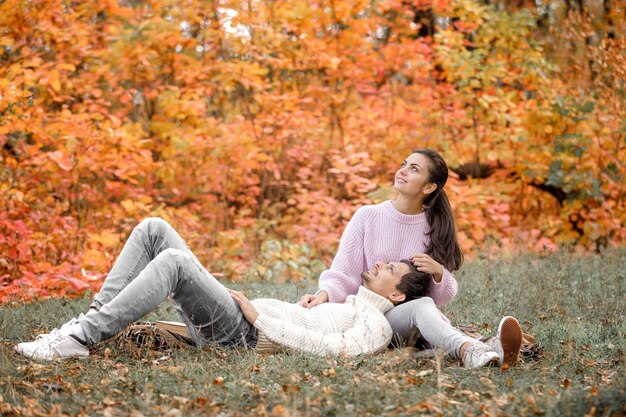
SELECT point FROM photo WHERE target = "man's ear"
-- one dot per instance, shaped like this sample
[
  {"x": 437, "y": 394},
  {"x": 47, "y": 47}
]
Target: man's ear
[
  {"x": 429, "y": 188},
  {"x": 397, "y": 297}
]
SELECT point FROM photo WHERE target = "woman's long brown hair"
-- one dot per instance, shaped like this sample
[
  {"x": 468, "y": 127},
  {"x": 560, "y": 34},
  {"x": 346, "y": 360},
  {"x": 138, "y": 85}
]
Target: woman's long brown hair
[{"x": 444, "y": 246}]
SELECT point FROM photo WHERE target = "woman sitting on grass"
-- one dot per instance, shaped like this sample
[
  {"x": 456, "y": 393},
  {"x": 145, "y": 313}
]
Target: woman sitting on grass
[{"x": 418, "y": 225}]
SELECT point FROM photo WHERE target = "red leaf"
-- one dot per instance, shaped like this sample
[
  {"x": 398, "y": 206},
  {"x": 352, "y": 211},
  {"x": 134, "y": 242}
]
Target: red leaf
[
  {"x": 77, "y": 284},
  {"x": 63, "y": 161}
]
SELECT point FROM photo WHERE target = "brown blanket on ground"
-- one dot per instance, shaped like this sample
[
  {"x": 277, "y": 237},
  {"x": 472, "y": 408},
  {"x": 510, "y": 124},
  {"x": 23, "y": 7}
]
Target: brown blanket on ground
[{"x": 161, "y": 336}]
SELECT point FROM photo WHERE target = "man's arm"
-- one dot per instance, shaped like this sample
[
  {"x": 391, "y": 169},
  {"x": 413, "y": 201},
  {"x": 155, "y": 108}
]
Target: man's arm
[
  {"x": 368, "y": 338},
  {"x": 247, "y": 308}
]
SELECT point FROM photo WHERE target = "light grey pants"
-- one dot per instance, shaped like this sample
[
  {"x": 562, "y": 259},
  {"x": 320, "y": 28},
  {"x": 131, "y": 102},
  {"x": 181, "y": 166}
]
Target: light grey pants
[
  {"x": 424, "y": 316},
  {"x": 156, "y": 263}
]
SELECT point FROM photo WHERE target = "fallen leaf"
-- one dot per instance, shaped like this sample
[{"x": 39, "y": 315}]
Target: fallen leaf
[
  {"x": 487, "y": 382},
  {"x": 591, "y": 412},
  {"x": 291, "y": 388},
  {"x": 279, "y": 411},
  {"x": 413, "y": 381}
]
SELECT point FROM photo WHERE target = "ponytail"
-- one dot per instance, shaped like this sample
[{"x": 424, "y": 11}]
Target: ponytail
[{"x": 444, "y": 246}]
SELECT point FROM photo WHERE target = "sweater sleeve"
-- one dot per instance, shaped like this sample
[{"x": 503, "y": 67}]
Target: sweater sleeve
[
  {"x": 443, "y": 292},
  {"x": 370, "y": 338},
  {"x": 344, "y": 276}
]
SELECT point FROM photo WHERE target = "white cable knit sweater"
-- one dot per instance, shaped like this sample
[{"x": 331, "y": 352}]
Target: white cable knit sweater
[{"x": 356, "y": 326}]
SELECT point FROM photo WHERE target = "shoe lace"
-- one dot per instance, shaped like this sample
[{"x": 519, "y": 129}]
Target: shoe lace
[
  {"x": 55, "y": 333},
  {"x": 52, "y": 335},
  {"x": 477, "y": 350},
  {"x": 53, "y": 343}
]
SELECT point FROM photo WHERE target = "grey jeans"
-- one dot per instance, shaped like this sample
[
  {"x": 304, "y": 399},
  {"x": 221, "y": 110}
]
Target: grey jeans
[
  {"x": 156, "y": 263},
  {"x": 424, "y": 316}
]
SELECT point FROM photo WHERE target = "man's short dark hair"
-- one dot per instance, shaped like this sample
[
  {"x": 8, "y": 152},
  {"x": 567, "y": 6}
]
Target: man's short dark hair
[{"x": 414, "y": 284}]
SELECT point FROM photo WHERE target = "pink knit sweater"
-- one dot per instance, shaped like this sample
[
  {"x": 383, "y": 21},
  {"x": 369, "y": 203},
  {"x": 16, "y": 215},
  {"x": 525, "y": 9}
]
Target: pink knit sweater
[{"x": 380, "y": 233}]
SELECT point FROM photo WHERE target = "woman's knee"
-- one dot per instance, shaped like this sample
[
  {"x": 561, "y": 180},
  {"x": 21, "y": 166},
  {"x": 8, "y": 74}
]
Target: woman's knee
[
  {"x": 421, "y": 304},
  {"x": 404, "y": 317}
]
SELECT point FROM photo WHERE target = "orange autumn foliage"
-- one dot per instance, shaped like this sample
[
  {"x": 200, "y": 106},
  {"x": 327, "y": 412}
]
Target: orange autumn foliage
[{"x": 258, "y": 128}]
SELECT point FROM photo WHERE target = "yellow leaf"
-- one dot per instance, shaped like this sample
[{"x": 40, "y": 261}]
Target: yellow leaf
[
  {"x": 129, "y": 206},
  {"x": 115, "y": 120},
  {"x": 54, "y": 80},
  {"x": 68, "y": 67},
  {"x": 166, "y": 174},
  {"x": 108, "y": 239},
  {"x": 6, "y": 41}
]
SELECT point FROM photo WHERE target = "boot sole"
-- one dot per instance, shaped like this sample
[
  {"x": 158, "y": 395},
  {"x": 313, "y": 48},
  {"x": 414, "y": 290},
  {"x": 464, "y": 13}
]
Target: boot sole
[{"x": 511, "y": 340}]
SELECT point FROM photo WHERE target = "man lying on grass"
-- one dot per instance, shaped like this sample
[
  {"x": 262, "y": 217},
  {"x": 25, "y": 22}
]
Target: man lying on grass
[{"x": 156, "y": 263}]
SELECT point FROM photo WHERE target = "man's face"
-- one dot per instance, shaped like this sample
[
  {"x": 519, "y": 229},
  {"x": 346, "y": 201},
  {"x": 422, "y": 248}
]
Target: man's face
[{"x": 383, "y": 279}]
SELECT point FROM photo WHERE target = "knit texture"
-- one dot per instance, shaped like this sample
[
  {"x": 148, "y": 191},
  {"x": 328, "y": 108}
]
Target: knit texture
[
  {"x": 380, "y": 233},
  {"x": 357, "y": 326}
]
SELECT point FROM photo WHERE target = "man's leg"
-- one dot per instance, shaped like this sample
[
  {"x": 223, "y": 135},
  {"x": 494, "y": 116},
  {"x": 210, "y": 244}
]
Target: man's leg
[
  {"x": 147, "y": 240},
  {"x": 205, "y": 304}
]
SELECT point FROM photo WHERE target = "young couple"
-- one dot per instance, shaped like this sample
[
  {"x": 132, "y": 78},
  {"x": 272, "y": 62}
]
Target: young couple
[{"x": 366, "y": 299}]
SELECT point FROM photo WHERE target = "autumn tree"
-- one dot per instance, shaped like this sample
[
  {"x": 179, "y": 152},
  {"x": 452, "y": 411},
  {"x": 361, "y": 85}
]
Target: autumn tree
[{"x": 257, "y": 128}]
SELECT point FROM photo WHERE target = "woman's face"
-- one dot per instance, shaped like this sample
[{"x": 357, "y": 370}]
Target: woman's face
[{"x": 412, "y": 177}]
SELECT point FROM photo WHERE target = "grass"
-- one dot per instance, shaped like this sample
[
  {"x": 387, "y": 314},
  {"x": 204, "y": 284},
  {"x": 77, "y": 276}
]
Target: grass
[{"x": 574, "y": 305}]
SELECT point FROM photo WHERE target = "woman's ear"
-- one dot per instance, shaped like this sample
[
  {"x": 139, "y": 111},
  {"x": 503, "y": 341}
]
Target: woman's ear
[{"x": 430, "y": 188}]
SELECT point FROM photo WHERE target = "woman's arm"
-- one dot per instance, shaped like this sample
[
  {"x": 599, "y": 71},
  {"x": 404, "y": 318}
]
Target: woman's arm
[
  {"x": 444, "y": 291},
  {"x": 443, "y": 286},
  {"x": 344, "y": 275}
]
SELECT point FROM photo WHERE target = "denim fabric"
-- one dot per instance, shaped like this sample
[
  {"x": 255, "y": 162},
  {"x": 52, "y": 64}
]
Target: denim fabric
[
  {"x": 422, "y": 314},
  {"x": 156, "y": 263}
]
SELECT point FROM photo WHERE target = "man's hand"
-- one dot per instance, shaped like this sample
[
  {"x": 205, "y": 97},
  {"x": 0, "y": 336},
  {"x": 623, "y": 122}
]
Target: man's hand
[
  {"x": 248, "y": 310},
  {"x": 427, "y": 264},
  {"x": 310, "y": 300}
]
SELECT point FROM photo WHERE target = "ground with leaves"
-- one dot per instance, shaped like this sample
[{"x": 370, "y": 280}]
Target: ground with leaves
[{"x": 574, "y": 305}]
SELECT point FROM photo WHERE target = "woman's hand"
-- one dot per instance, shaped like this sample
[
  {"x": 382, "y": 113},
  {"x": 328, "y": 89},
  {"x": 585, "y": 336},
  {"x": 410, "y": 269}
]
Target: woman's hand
[
  {"x": 310, "y": 300},
  {"x": 427, "y": 264},
  {"x": 248, "y": 310}
]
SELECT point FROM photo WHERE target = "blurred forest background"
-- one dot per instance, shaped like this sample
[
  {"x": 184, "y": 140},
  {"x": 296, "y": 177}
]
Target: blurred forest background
[{"x": 258, "y": 127}]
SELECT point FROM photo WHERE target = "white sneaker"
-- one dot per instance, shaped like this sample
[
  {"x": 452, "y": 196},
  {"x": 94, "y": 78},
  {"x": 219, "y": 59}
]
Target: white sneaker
[
  {"x": 50, "y": 348},
  {"x": 59, "y": 343},
  {"x": 479, "y": 355},
  {"x": 27, "y": 348},
  {"x": 508, "y": 341}
]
